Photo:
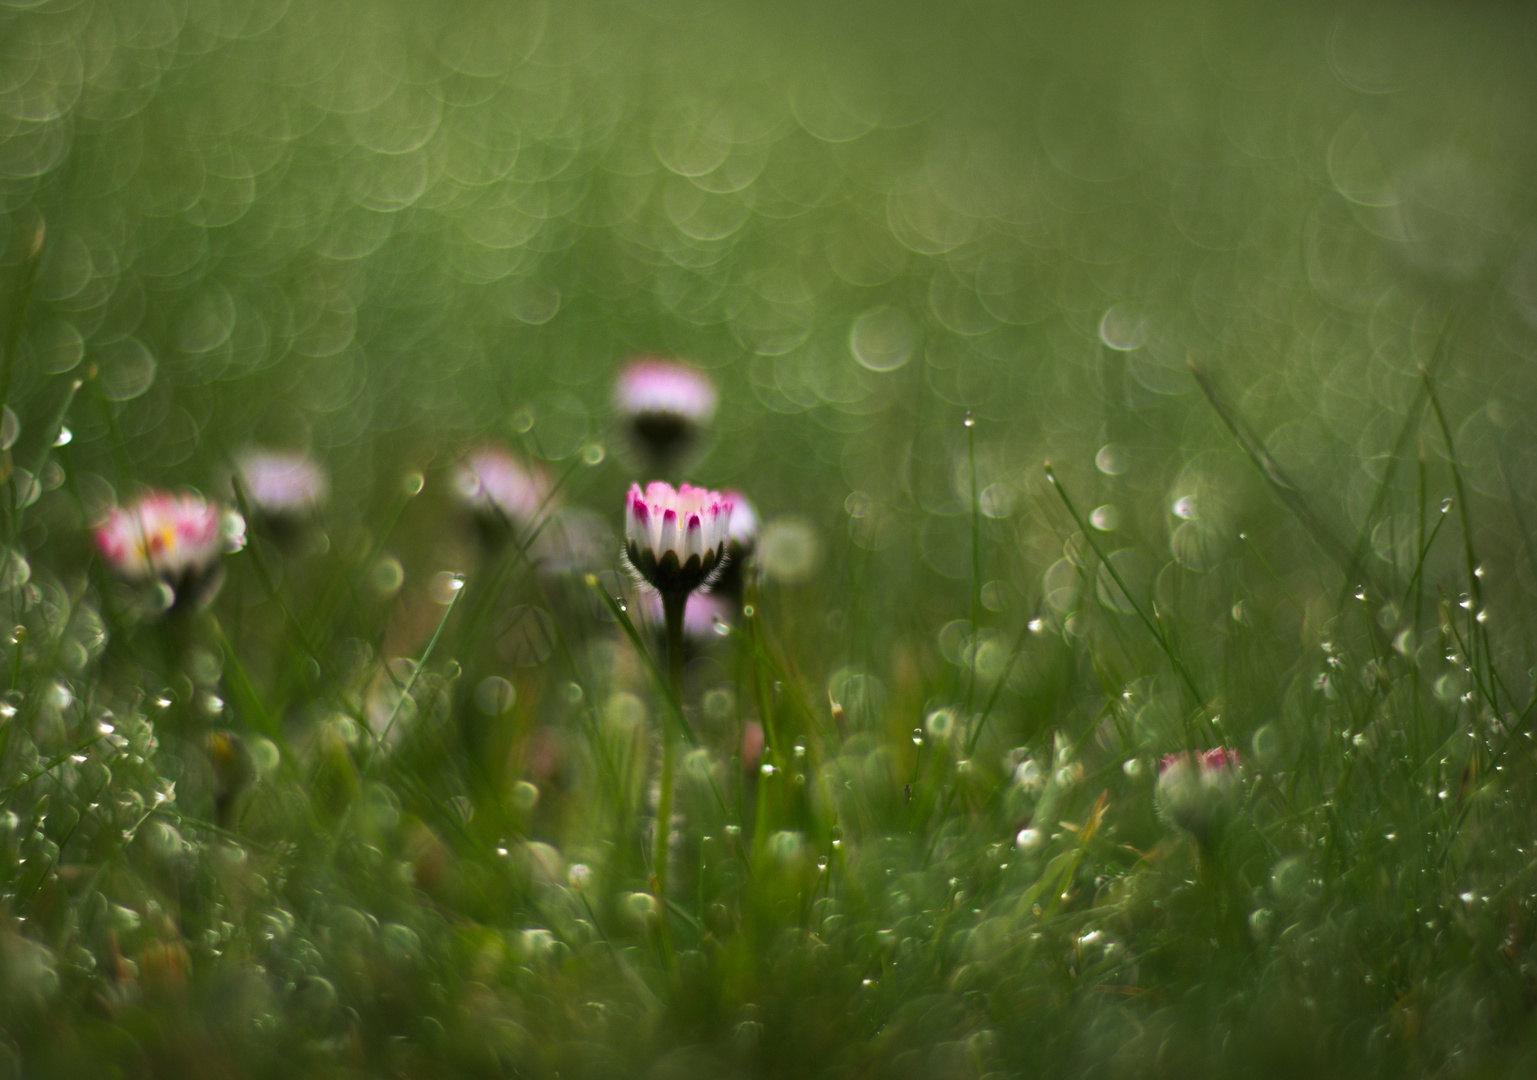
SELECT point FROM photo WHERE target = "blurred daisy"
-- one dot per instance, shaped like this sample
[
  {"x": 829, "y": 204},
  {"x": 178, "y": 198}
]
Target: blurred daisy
[
  {"x": 663, "y": 405},
  {"x": 281, "y": 483},
  {"x": 1196, "y": 792},
  {"x": 493, "y": 483},
  {"x": 741, "y": 542},
  {"x": 176, "y": 539},
  {"x": 676, "y": 539}
]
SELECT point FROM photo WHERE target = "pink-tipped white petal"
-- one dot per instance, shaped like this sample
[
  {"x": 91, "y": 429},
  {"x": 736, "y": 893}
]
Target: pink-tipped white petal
[
  {"x": 693, "y": 540},
  {"x": 668, "y": 541}
]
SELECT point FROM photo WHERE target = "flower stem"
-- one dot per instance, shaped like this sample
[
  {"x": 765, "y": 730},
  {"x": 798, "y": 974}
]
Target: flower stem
[{"x": 672, "y": 614}]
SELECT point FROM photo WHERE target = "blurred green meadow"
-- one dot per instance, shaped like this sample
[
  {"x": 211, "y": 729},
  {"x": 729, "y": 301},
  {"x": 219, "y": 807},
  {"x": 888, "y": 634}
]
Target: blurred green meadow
[{"x": 1258, "y": 281}]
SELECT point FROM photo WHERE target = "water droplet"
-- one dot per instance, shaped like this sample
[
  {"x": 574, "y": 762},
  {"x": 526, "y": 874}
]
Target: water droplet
[
  {"x": 64, "y": 437},
  {"x": 1184, "y": 507},
  {"x": 10, "y": 428},
  {"x": 768, "y": 770},
  {"x": 971, "y": 419},
  {"x": 1112, "y": 460},
  {"x": 721, "y": 626},
  {"x": 822, "y": 863},
  {"x": 445, "y": 586},
  {"x": 1446, "y": 504},
  {"x": 917, "y": 736},
  {"x": 1478, "y": 571},
  {"x": 733, "y": 830},
  {"x": 1028, "y": 839},
  {"x": 1105, "y": 518},
  {"x": 412, "y": 484},
  {"x": 748, "y": 611}
]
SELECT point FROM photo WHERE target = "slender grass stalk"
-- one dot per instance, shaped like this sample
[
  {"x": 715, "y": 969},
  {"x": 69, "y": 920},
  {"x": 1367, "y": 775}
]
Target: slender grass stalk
[
  {"x": 976, "y": 554},
  {"x": 1154, "y": 627}
]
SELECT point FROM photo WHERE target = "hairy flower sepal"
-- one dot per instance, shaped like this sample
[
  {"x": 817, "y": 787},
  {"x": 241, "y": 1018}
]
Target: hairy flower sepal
[{"x": 676, "y": 540}]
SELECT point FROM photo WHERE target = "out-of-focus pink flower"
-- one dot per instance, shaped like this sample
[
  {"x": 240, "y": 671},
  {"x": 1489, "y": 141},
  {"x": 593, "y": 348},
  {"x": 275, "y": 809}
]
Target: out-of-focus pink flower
[
  {"x": 663, "y": 403},
  {"x": 491, "y": 481},
  {"x": 652, "y": 384},
  {"x": 676, "y": 538},
  {"x": 744, "y": 524},
  {"x": 1196, "y": 791},
  {"x": 752, "y": 745},
  {"x": 282, "y": 482},
  {"x": 162, "y": 535}
]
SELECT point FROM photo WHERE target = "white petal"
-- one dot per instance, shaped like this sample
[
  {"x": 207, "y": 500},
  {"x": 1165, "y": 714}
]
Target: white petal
[
  {"x": 693, "y": 539},
  {"x": 668, "y": 540}
]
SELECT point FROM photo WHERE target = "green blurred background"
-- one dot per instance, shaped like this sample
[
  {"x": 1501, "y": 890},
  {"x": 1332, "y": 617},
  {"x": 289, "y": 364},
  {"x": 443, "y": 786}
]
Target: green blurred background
[{"x": 382, "y": 229}]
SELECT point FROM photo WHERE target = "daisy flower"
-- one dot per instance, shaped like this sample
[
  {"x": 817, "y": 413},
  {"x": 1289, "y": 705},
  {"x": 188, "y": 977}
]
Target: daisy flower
[
  {"x": 676, "y": 539},
  {"x": 162, "y": 535},
  {"x": 281, "y": 483},
  {"x": 492, "y": 482},
  {"x": 663, "y": 404},
  {"x": 1196, "y": 792}
]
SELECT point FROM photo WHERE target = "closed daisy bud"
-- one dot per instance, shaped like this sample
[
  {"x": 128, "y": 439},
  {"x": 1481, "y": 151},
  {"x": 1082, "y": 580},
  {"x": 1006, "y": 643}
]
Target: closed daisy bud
[
  {"x": 1197, "y": 792},
  {"x": 663, "y": 405},
  {"x": 176, "y": 539},
  {"x": 676, "y": 540},
  {"x": 280, "y": 483},
  {"x": 495, "y": 485}
]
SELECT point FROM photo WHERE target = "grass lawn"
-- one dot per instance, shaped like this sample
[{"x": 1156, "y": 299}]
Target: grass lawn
[{"x": 1120, "y": 483}]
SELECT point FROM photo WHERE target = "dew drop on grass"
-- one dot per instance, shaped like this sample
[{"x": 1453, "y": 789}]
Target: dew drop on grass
[
  {"x": 10, "y": 428},
  {"x": 64, "y": 437},
  {"x": 412, "y": 484},
  {"x": 1105, "y": 518}
]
